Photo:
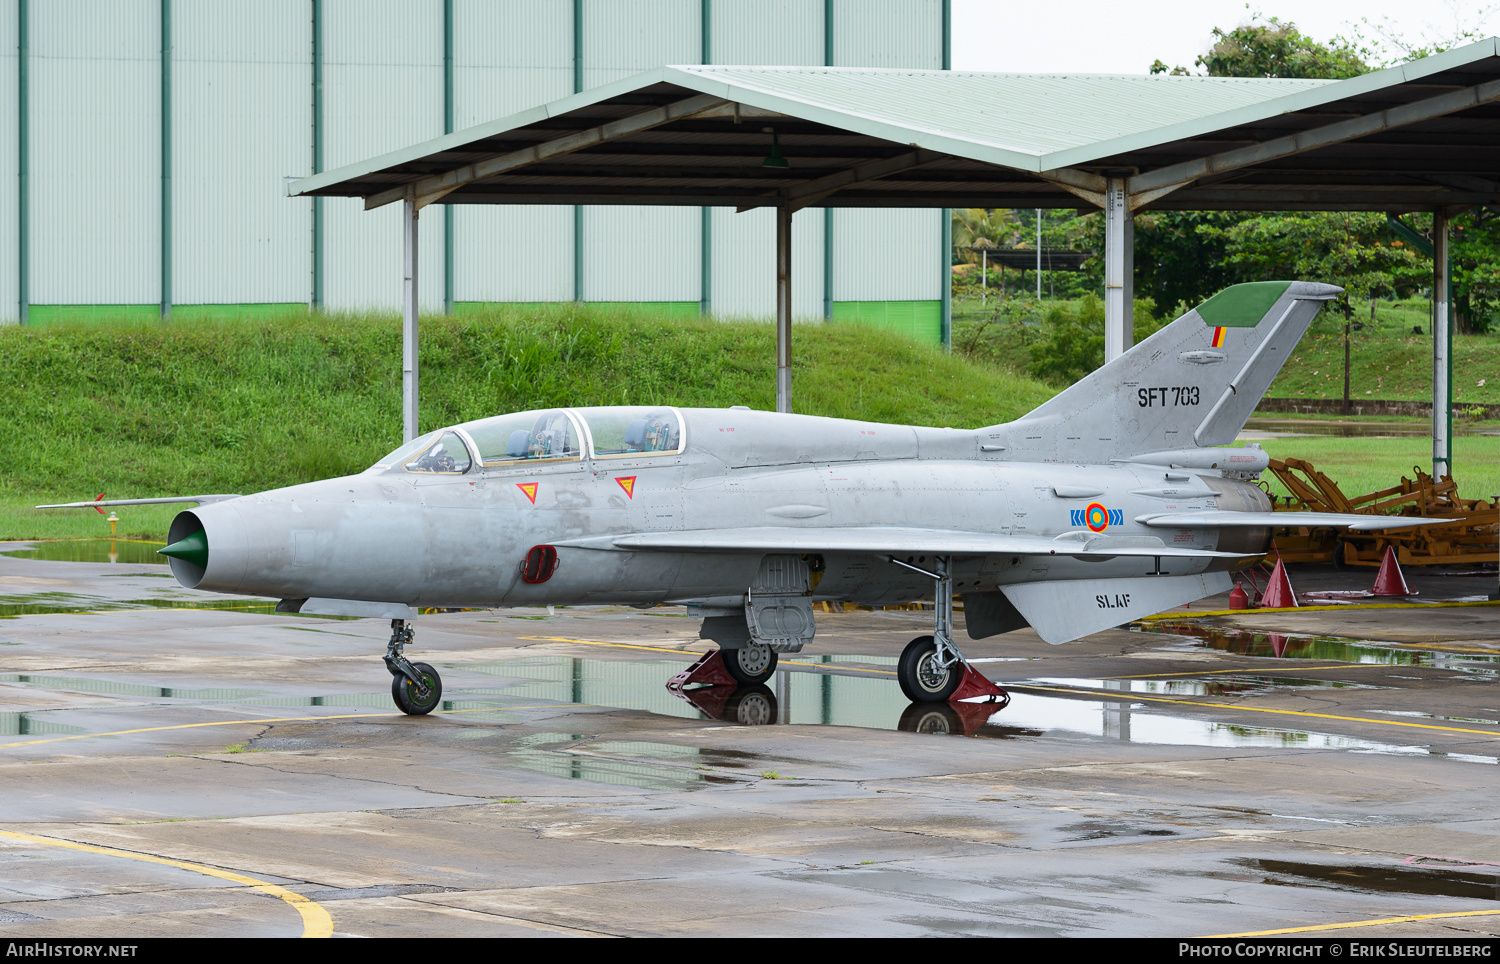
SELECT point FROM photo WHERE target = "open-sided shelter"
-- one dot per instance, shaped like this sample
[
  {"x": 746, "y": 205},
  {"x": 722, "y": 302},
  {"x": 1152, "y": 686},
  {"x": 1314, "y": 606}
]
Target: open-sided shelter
[{"x": 1421, "y": 136}]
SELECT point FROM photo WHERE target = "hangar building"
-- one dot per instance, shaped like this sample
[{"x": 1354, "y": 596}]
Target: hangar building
[{"x": 151, "y": 140}]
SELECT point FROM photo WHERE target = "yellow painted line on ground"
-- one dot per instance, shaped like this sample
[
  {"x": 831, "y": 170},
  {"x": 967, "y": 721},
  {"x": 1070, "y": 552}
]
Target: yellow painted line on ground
[
  {"x": 315, "y": 920},
  {"x": 1188, "y": 614},
  {"x": 1127, "y": 696},
  {"x": 1358, "y": 923},
  {"x": 595, "y": 642}
]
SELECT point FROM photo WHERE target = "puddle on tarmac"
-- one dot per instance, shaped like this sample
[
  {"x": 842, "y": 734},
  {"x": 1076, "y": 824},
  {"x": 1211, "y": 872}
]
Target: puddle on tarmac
[
  {"x": 1475, "y": 884},
  {"x": 1245, "y": 642},
  {"x": 797, "y": 694},
  {"x": 30, "y": 724},
  {"x": 1226, "y": 685},
  {"x": 83, "y": 684},
  {"x": 648, "y": 765},
  {"x": 130, "y": 551},
  {"x": 1434, "y": 716}
]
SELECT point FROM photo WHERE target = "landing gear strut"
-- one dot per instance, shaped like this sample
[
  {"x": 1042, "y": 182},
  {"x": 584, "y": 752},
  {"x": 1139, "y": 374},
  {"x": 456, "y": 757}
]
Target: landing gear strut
[
  {"x": 931, "y": 669},
  {"x": 416, "y": 687}
]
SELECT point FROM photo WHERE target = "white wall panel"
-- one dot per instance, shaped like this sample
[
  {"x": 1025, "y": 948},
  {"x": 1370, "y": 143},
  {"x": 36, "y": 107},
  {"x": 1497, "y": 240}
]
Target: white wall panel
[
  {"x": 507, "y": 57},
  {"x": 786, "y": 33},
  {"x": 888, "y": 33},
  {"x": 383, "y": 89},
  {"x": 624, "y": 37},
  {"x": 10, "y": 248},
  {"x": 521, "y": 252},
  {"x": 633, "y": 253},
  {"x": 95, "y": 151},
  {"x": 744, "y": 263},
  {"x": 241, "y": 122},
  {"x": 884, "y": 254}
]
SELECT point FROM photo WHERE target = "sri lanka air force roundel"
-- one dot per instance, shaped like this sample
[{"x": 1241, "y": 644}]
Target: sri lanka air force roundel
[{"x": 1097, "y": 517}]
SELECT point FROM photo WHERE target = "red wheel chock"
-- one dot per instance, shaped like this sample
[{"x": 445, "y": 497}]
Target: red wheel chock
[
  {"x": 708, "y": 669},
  {"x": 976, "y": 684}
]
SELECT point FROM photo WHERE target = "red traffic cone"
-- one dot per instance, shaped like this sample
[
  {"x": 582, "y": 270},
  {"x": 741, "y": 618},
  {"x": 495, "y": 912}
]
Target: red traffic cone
[
  {"x": 1279, "y": 593},
  {"x": 1389, "y": 581},
  {"x": 1278, "y": 643}
]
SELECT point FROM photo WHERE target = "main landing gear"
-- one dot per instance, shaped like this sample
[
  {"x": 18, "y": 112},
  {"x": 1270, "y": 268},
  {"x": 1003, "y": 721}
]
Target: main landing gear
[
  {"x": 416, "y": 687},
  {"x": 931, "y": 669}
]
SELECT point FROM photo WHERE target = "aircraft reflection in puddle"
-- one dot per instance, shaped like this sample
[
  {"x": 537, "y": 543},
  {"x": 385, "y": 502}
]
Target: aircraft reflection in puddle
[{"x": 839, "y": 697}]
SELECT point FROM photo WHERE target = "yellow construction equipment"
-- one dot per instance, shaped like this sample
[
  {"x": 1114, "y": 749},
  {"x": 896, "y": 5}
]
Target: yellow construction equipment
[{"x": 1471, "y": 537}]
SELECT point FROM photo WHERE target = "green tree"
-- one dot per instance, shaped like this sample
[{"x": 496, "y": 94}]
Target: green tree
[{"x": 1270, "y": 47}]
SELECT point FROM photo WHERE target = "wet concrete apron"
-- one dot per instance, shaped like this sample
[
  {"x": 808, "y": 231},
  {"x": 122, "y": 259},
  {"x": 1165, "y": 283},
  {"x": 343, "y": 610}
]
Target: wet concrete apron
[{"x": 1180, "y": 782}]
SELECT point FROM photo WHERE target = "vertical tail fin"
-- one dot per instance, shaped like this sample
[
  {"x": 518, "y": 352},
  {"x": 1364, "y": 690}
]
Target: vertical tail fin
[{"x": 1192, "y": 384}]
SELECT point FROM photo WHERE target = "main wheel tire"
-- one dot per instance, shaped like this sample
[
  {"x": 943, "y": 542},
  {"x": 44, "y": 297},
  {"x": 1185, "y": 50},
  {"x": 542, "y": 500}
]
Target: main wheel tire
[
  {"x": 751, "y": 663},
  {"x": 405, "y": 693},
  {"x": 920, "y": 676},
  {"x": 751, "y": 706}
]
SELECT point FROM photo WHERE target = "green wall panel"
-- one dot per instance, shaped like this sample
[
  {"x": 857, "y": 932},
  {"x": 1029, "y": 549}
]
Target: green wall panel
[
  {"x": 53, "y": 314},
  {"x": 919, "y": 320}
]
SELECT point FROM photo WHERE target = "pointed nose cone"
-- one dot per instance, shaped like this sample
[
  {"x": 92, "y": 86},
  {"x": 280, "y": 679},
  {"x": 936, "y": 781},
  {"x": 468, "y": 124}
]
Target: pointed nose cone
[{"x": 193, "y": 548}]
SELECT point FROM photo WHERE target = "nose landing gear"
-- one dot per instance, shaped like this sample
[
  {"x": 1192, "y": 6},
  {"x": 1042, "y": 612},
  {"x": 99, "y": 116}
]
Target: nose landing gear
[{"x": 416, "y": 687}]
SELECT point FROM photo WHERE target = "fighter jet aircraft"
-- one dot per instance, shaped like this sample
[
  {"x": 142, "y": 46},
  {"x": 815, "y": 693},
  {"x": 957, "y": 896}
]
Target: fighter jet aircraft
[{"x": 1114, "y": 500}]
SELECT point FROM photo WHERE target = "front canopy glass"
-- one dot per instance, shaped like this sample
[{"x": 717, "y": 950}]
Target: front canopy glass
[{"x": 524, "y": 437}]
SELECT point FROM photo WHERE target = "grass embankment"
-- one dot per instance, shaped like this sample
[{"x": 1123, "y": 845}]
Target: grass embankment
[
  {"x": 138, "y": 409},
  {"x": 1361, "y": 465}
]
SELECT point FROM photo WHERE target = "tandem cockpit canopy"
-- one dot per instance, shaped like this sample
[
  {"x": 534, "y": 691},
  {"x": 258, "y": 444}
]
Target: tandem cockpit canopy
[{"x": 544, "y": 435}]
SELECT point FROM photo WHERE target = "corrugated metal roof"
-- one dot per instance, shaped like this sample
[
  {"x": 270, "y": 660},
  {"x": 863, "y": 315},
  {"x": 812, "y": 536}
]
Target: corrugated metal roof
[
  {"x": 1019, "y": 120},
  {"x": 994, "y": 132}
]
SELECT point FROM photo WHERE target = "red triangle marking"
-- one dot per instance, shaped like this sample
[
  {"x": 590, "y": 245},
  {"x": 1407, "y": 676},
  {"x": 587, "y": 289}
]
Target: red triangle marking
[
  {"x": 628, "y": 484},
  {"x": 530, "y": 489}
]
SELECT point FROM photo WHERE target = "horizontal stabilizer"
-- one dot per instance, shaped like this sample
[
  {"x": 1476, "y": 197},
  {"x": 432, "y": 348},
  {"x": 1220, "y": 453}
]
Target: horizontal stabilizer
[
  {"x": 1067, "y": 609},
  {"x": 1224, "y": 519},
  {"x": 885, "y": 539},
  {"x": 202, "y": 499}
]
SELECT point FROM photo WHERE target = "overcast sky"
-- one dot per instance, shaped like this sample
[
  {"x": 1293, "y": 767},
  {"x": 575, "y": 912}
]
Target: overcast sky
[{"x": 1111, "y": 37}]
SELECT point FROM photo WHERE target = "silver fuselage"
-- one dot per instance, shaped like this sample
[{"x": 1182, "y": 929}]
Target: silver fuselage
[{"x": 458, "y": 540}]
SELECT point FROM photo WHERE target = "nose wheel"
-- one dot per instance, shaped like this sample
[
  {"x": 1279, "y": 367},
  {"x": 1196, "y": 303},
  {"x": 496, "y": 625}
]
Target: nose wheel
[{"x": 416, "y": 687}]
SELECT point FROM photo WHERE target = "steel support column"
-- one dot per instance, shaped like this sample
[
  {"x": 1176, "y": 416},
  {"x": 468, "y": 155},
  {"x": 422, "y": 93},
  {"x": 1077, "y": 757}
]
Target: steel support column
[
  {"x": 448, "y": 212},
  {"x": 165, "y": 306},
  {"x": 409, "y": 219},
  {"x": 1119, "y": 271},
  {"x": 1442, "y": 351},
  {"x": 315, "y": 300},
  {"x": 23, "y": 162},
  {"x": 784, "y": 308},
  {"x": 946, "y": 292}
]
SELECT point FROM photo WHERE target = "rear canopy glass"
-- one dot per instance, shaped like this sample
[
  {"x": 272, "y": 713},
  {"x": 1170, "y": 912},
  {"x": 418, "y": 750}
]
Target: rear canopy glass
[{"x": 633, "y": 431}]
